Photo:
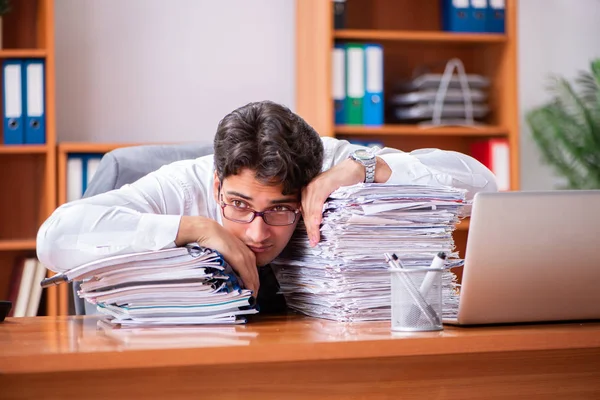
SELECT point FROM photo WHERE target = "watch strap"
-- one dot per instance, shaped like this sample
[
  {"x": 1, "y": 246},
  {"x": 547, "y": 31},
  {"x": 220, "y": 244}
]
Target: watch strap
[
  {"x": 368, "y": 164},
  {"x": 370, "y": 173}
]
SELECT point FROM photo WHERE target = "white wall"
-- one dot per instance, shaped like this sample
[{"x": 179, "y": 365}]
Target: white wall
[
  {"x": 555, "y": 37},
  {"x": 156, "y": 71},
  {"x": 152, "y": 70}
]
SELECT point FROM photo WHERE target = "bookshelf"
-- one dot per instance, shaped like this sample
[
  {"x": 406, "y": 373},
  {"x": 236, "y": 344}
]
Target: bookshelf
[
  {"x": 27, "y": 172},
  {"x": 410, "y": 33}
]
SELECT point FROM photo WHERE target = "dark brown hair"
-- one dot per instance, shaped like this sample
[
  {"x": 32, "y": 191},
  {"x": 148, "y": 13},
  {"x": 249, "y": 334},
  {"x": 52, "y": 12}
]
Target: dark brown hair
[{"x": 271, "y": 140}]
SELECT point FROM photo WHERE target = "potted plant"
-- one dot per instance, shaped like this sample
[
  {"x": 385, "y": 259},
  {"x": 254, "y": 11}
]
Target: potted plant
[
  {"x": 4, "y": 9},
  {"x": 567, "y": 128}
]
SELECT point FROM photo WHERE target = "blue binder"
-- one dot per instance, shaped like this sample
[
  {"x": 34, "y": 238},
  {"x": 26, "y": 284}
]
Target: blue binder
[
  {"x": 12, "y": 104},
  {"x": 373, "y": 101},
  {"x": 35, "y": 102},
  {"x": 478, "y": 10},
  {"x": 339, "y": 83},
  {"x": 495, "y": 16},
  {"x": 456, "y": 15}
]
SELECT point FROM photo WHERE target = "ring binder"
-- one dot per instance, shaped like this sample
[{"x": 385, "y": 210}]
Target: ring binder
[
  {"x": 186, "y": 285},
  {"x": 12, "y": 102},
  {"x": 195, "y": 250},
  {"x": 54, "y": 280}
]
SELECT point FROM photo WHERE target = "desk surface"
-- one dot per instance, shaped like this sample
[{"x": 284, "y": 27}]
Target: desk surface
[{"x": 44, "y": 344}]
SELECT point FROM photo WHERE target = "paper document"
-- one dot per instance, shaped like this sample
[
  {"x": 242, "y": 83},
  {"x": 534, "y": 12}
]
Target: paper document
[
  {"x": 182, "y": 286},
  {"x": 345, "y": 277}
]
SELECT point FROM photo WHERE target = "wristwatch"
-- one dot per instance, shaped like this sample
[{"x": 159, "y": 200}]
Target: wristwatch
[{"x": 368, "y": 160}]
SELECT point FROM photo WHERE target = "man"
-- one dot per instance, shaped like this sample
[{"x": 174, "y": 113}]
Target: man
[{"x": 269, "y": 168}]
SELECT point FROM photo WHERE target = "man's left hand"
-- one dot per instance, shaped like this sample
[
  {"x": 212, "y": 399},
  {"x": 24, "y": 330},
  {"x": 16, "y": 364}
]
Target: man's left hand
[{"x": 314, "y": 195}]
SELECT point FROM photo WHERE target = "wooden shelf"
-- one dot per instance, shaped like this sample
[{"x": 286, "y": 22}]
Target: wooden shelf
[
  {"x": 23, "y": 149},
  {"x": 76, "y": 147},
  {"x": 28, "y": 172},
  {"x": 17, "y": 244},
  {"x": 22, "y": 53},
  {"x": 418, "y": 36},
  {"x": 388, "y": 130}
]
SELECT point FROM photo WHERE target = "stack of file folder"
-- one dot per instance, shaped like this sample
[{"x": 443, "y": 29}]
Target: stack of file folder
[
  {"x": 414, "y": 100},
  {"x": 345, "y": 277},
  {"x": 180, "y": 286}
]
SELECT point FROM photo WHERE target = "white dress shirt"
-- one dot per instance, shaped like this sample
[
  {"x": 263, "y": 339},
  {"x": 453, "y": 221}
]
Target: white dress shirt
[{"x": 145, "y": 215}]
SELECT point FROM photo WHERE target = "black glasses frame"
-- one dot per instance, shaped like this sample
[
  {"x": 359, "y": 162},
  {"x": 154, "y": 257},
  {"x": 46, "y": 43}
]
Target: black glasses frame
[{"x": 256, "y": 214}]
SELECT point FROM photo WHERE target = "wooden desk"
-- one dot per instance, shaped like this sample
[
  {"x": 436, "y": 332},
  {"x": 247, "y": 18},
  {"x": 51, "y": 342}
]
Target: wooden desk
[{"x": 297, "y": 357}]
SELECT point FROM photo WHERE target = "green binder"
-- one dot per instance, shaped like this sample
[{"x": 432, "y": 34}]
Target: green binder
[{"x": 355, "y": 83}]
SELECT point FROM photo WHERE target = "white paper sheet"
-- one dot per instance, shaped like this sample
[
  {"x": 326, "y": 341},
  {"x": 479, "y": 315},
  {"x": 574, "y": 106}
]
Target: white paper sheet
[{"x": 345, "y": 277}]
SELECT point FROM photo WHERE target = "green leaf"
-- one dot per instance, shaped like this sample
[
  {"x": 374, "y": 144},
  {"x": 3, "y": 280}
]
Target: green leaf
[{"x": 567, "y": 129}]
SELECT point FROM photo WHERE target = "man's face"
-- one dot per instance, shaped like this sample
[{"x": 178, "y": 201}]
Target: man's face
[{"x": 243, "y": 191}]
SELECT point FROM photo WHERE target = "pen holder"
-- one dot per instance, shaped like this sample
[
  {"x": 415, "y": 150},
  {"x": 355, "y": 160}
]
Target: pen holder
[{"x": 416, "y": 299}]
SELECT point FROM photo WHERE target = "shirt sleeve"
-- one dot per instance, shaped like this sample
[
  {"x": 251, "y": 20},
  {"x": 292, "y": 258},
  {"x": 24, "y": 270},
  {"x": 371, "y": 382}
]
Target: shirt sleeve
[
  {"x": 422, "y": 167},
  {"x": 142, "y": 216}
]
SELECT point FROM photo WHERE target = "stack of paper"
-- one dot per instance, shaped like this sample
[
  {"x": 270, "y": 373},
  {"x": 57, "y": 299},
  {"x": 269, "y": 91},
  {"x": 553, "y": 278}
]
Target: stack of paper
[
  {"x": 345, "y": 277},
  {"x": 180, "y": 286}
]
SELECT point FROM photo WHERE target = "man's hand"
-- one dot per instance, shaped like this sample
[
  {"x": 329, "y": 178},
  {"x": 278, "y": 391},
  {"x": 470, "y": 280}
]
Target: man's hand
[
  {"x": 314, "y": 195},
  {"x": 208, "y": 233}
]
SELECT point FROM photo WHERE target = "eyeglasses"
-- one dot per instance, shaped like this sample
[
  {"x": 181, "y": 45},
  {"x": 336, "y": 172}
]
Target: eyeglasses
[{"x": 247, "y": 215}]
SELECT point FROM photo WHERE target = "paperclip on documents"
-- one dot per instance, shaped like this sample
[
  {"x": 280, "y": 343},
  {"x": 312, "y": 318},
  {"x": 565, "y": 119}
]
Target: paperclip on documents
[
  {"x": 180, "y": 286},
  {"x": 346, "y": 277}
]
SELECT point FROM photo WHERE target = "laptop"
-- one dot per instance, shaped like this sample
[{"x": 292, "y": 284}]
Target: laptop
[{"x": 531, "y": 257}]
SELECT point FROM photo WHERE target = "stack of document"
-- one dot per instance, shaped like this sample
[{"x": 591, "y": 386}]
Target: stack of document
[
  {"x": 179, "y": 286},
  {"x": 345, "y": 277}
]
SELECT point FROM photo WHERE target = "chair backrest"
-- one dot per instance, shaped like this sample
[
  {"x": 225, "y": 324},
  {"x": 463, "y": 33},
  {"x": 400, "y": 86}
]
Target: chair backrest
[{"x": 126, "y": 165}]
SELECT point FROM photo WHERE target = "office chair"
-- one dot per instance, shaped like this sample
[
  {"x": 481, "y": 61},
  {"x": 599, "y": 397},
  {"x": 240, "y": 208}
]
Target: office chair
[{"x": 126, "y": 165}]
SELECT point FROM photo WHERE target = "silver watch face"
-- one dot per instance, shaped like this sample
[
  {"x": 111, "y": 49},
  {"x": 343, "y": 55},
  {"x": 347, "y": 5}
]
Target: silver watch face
[{"x": 362, "y": 154}]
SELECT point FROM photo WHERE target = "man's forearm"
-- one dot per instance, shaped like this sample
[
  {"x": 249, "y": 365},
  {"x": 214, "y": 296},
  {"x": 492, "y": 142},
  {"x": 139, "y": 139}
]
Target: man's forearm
[
  {"x": 80, "y": 232},
  {"x": 190, "y": 229}
]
